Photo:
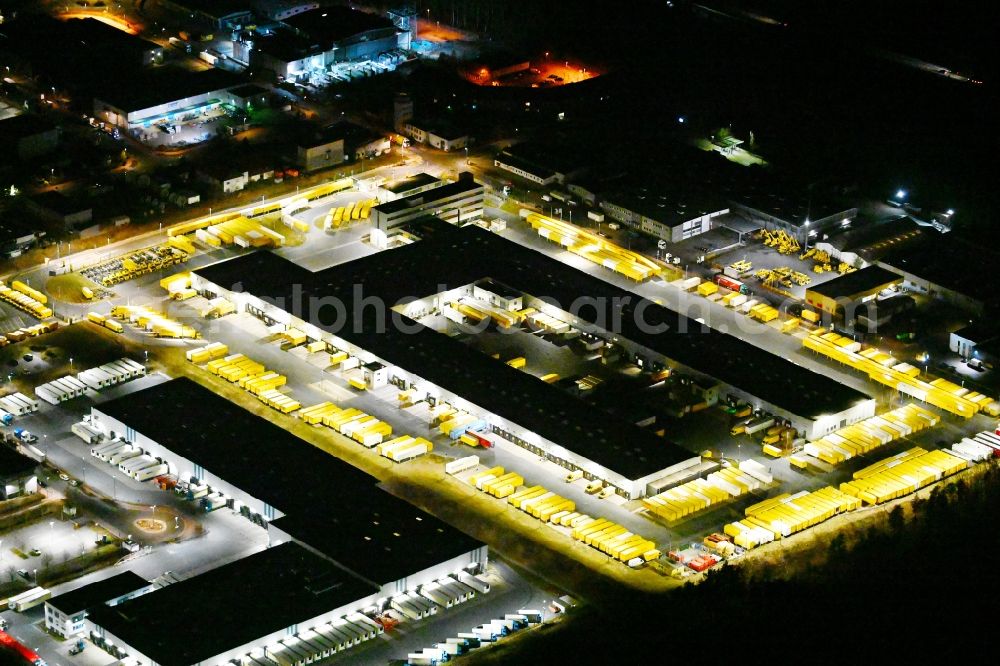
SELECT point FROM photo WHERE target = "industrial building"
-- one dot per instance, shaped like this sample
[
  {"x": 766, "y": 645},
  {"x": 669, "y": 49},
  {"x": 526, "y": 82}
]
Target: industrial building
[
  {"x": 536, "y": 174},
  {"x": 843, "y": 295},
  {"x": 215, "y": 14},
  {"x": 460, "y": 203},
  {"x": 949, "y": 268},
  {"x": 408, "y": 187},
  {"x": 309, "y": 43},
  {"x": 27, "y": 136},
  {"x": 519, "y": 408},
  {"x": 232, "y": 612},
  {"x": 57, "y": 207},
  {"x": 283, "y": 483},
  {"x": 436, "y": 134},
  {"x": 164, "y": 96},
  {"x": 803, "y": 216},
  {"x": 64, "y": 51},
  {"x": 18, "y": 474},
  {"x": 671, "y": 214},
  {"x": 980, "y": 339},
  {"x": 279, "y": 10},
  {"x": 543, "y": 163},
  {"x": 322, "y": 147},
  {"x": 65, "y": 613},
  {"x": 16, "y": 237},
  {"x": 864, "y": 243}
]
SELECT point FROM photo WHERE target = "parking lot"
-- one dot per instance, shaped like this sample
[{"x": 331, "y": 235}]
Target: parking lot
[
  {"x": 190, "y": 132},
  {"x": 50, "y": 541}
]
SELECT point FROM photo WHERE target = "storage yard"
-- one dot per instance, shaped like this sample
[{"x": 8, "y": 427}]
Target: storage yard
[{"x": 647, "y": 457}]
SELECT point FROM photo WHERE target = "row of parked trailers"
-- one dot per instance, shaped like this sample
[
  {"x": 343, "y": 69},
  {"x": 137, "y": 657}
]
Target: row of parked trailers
[
  {"x": 129, "y": 459},
  {"x": 208, "y": 498},
  {"x": 468, "y": 641},
  {"x": 366, "y": 430},
  {"x": 447, "y": 592},
  {"x": 16, "y": 404},
  {"x": 319, "y": 642},
  {"x": 28, "y": 599},
  {"x": 109, "y": 374}
]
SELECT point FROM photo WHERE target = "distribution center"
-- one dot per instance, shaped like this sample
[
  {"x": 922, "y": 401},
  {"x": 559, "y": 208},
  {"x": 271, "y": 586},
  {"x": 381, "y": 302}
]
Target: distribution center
[{"x": 518, "y": 407}]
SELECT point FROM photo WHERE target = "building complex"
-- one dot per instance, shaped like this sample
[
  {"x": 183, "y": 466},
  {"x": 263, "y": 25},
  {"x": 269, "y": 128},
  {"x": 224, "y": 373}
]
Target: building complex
[
  {"x": 338, "y": 543},
  {"x": 521, "y": 410}
]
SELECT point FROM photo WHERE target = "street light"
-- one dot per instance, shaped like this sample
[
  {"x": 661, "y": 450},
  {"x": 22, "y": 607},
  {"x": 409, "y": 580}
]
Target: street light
[{"x": 900, "y": 194}]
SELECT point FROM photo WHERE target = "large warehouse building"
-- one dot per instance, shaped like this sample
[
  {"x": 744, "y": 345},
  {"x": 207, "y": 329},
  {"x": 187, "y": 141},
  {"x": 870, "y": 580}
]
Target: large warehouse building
[
  {"x": 165, "y": 95},
  {"x": 312, "y": 41},
  {"x": 518, "y": 407},
  {"x": 256, "y": 606},
  {"x": 845, "y": 294},
  {"x": 342, "y": 534}
]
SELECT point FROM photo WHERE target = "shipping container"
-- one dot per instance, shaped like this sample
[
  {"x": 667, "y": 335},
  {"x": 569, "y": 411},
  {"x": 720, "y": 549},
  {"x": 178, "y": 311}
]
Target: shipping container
[
  {"x": 121, "y": 455},
  {"x": 151, "y": 472},
  {"x": 128, "y": 466}
]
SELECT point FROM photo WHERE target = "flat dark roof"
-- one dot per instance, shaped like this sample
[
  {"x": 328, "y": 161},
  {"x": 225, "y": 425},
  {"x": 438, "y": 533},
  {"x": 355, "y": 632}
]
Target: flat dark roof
[
  {"x": 525, "y": 165},
  {"x": 383, "y": 541},
  {"x": 162, "y": 85},
  {"x": 790, "y": 207},
  {"x": 858, "y": 283},
  {"x": 248, "y": 90},
  {"x": 101, "y": 592},
  {"x": 873, "y": 238},
  {"x": 218, "y": 9},
  {"x": 951, "y": 262},
  {"x": 23, "y": 126},
  {"x": 335, "y": 24},
  {"x": 460, "y": 186},
  {"x": 411, "y": 183},
  {"x": 669, "y": 205},
  {"x": 195, "y": 619},
  {"x": 298, "y": 479},
  {"x": 59, "y": 202},
  {"x": 980, "y": 331},
  {"x": 470, "y": 254},
  {"x": 14, "y": 464},
  {"x": 498, "y": 288}
]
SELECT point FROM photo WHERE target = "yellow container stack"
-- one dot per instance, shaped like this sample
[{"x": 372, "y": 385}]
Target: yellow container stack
[
  {"x": 700, "y": 494},
  {"x": 364, "y": 429},
  {"x": 614, "y": 540},
  {"x": 864, "y": 436},
  {"x": 250, "y": 375},
  {"x": 884, "y": 369},
  {"x": 155, "y": 322},
  {"x": 763, "y": 312},
  {"x": 209, "y": 352},
  {"x": 785, "y": 514},
  {"x": 901, "y": 475},
  {"x": 593, "y": 247},
  {"x": 25, "y": 301},
  {"x": 790, "y": 325},
  {"x": 707, "y": 288},
  {"x": 548, "y": 507},
  {"x": 176, "y": 282}
]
